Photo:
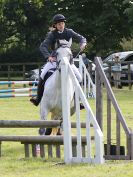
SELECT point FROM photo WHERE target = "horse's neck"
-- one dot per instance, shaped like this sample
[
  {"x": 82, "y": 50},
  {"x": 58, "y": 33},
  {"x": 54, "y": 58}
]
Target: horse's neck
[{"x": 57, "y": 79}]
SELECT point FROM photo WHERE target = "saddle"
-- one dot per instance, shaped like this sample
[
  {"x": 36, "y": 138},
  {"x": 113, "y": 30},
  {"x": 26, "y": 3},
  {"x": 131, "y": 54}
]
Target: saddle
[{"x": 49, "y": 73}]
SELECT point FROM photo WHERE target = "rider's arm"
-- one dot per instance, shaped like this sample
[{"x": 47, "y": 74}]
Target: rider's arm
[
  {"x": 80, "y": 38},
  {"x": 46, "y": 45}
]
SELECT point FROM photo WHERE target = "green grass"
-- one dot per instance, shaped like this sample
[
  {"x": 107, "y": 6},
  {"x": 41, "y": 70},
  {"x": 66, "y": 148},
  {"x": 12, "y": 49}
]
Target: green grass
[
  {"x": 38, "y": 168},
  {"x": 13, "y": 163}
]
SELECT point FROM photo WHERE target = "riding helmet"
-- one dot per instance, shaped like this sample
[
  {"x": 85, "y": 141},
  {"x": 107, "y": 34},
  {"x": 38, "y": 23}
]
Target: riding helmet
[{"x": 58, "y": 18}]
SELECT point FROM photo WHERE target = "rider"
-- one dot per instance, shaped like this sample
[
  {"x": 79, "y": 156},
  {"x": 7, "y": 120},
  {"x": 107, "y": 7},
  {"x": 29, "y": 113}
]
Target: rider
[{"x": 51, "y": 43}]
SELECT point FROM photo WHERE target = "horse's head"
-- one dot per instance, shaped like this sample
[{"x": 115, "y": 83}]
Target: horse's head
[{"x": 64, "y": 50}]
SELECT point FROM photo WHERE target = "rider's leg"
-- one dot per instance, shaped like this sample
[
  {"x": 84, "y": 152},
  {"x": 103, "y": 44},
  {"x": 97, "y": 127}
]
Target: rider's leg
[
  {"x": 79, "y": 78},
  {"x": 42, "y": 80},
  {"x": 40, "y": 89}
]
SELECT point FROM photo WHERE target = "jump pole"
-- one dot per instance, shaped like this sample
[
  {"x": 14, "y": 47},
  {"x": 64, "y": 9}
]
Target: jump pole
[
  {"x": 17, "y": 82},
  {"x": 18, "y": 90},
  {"x": 17, "y": 95}
]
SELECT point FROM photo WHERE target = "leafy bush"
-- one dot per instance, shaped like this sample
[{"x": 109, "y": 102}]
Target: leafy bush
[{"x": 18, "y": 55}]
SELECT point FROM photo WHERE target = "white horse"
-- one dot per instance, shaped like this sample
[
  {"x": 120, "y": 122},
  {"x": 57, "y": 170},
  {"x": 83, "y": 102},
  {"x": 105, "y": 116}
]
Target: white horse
[{"x": 52, "y": 99}]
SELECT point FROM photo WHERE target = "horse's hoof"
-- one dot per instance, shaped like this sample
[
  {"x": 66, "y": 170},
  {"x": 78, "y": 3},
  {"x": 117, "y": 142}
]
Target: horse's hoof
[
  {"x": 34, "y": 101},
  {"x": 59, "y": 134},
  {"x": 41, "y": 131},
  {"x": 81, "y": 106},
  {"x": 48, "y": 131},
  {"x": 60, "y": 131}
]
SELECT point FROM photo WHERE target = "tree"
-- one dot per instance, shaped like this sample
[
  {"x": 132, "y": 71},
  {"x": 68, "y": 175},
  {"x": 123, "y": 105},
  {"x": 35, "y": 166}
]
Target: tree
[
  {"x": 24, "y": 23},
  {"x": 129, "y": 12},
  {"x": 103, "y": 23}
]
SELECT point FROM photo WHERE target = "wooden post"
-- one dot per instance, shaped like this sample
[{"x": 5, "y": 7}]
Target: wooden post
[
  {"x": 129, "y": 77},
  {"x": 9, "y": 74},
  {"x": 24, "y": 74},
  {"x": 128, "y": 145},
  {"x": 74, "y": 150},
  {"x": 34, "y": 150},
  {"x": 117, "y": 136},
  {"x": 108, "y": 124},
  {"x": 58, "y": 152},
  {"x": 26, "y": 150},
  {"x": 50, "y": 152},
  {"x": 42, "y": 150},
  {"x": 99, "y": 101},
  {"x": 109, "y": 74},
  {"x": 131, "y": 144},
  {"x": 83, "y": 150},
  {"x": 0, "y": 148}
]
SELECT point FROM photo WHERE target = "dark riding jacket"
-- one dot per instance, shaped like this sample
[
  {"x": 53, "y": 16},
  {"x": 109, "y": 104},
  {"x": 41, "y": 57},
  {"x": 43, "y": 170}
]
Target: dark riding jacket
[{"x": 51, "y": 41}]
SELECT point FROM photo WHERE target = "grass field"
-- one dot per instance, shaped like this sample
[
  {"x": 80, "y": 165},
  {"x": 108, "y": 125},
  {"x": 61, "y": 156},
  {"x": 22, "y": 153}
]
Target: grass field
[{"x": 13, "y": 163}]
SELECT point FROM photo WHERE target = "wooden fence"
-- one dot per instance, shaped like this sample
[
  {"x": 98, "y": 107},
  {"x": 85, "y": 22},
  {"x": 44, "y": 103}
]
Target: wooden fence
[
  {"x": 117, "y": 150},
  {"x": 11, "y": 71},
  {"x": 8, "y": 71}
]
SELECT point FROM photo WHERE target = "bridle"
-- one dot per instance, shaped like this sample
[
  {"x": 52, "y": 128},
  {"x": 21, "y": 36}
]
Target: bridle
[{"x": 58, "y": 62}]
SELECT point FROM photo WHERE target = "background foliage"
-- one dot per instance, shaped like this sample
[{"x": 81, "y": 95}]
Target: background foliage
[{"x": 24, "y": 24}]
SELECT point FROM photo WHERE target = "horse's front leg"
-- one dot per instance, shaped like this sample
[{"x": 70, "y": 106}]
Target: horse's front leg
[{"x": 44, "y": 110}]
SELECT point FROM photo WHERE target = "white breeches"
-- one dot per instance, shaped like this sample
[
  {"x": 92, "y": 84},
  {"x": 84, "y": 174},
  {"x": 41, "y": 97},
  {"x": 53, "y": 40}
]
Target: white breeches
[{"x": 52, "y": 65}]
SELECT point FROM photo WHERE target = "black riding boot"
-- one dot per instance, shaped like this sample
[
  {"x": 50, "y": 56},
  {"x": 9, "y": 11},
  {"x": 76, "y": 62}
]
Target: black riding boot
[{"x": 40, "y": 89}]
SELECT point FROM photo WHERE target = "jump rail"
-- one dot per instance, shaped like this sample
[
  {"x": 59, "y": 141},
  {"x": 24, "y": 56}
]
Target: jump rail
[
  {"x": 18, "y": 90},
  {"x": 34, "y": 124},
  {"x": 17, "y": 82},
  {"x": 17, "y": 95},
  {"x": 44, "y": 143},
  {"x": 21, "y": 92}
]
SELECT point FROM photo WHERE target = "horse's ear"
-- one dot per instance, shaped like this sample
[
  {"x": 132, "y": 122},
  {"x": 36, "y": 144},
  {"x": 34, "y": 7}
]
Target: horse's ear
[{"x": 70, "y": 42}]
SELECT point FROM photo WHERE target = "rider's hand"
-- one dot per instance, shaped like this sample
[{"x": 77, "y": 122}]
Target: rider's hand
[
  {"x": 82, "y": 47},
  {"x": 51, "y": 59}
]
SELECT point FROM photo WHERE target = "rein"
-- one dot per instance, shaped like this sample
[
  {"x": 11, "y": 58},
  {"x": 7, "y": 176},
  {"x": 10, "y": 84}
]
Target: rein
[{"x": 57, "y": 65}]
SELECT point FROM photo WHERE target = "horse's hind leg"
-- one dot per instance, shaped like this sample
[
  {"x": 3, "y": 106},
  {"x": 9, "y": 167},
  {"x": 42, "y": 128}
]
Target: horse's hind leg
[{"x": 56, "y": 130}]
